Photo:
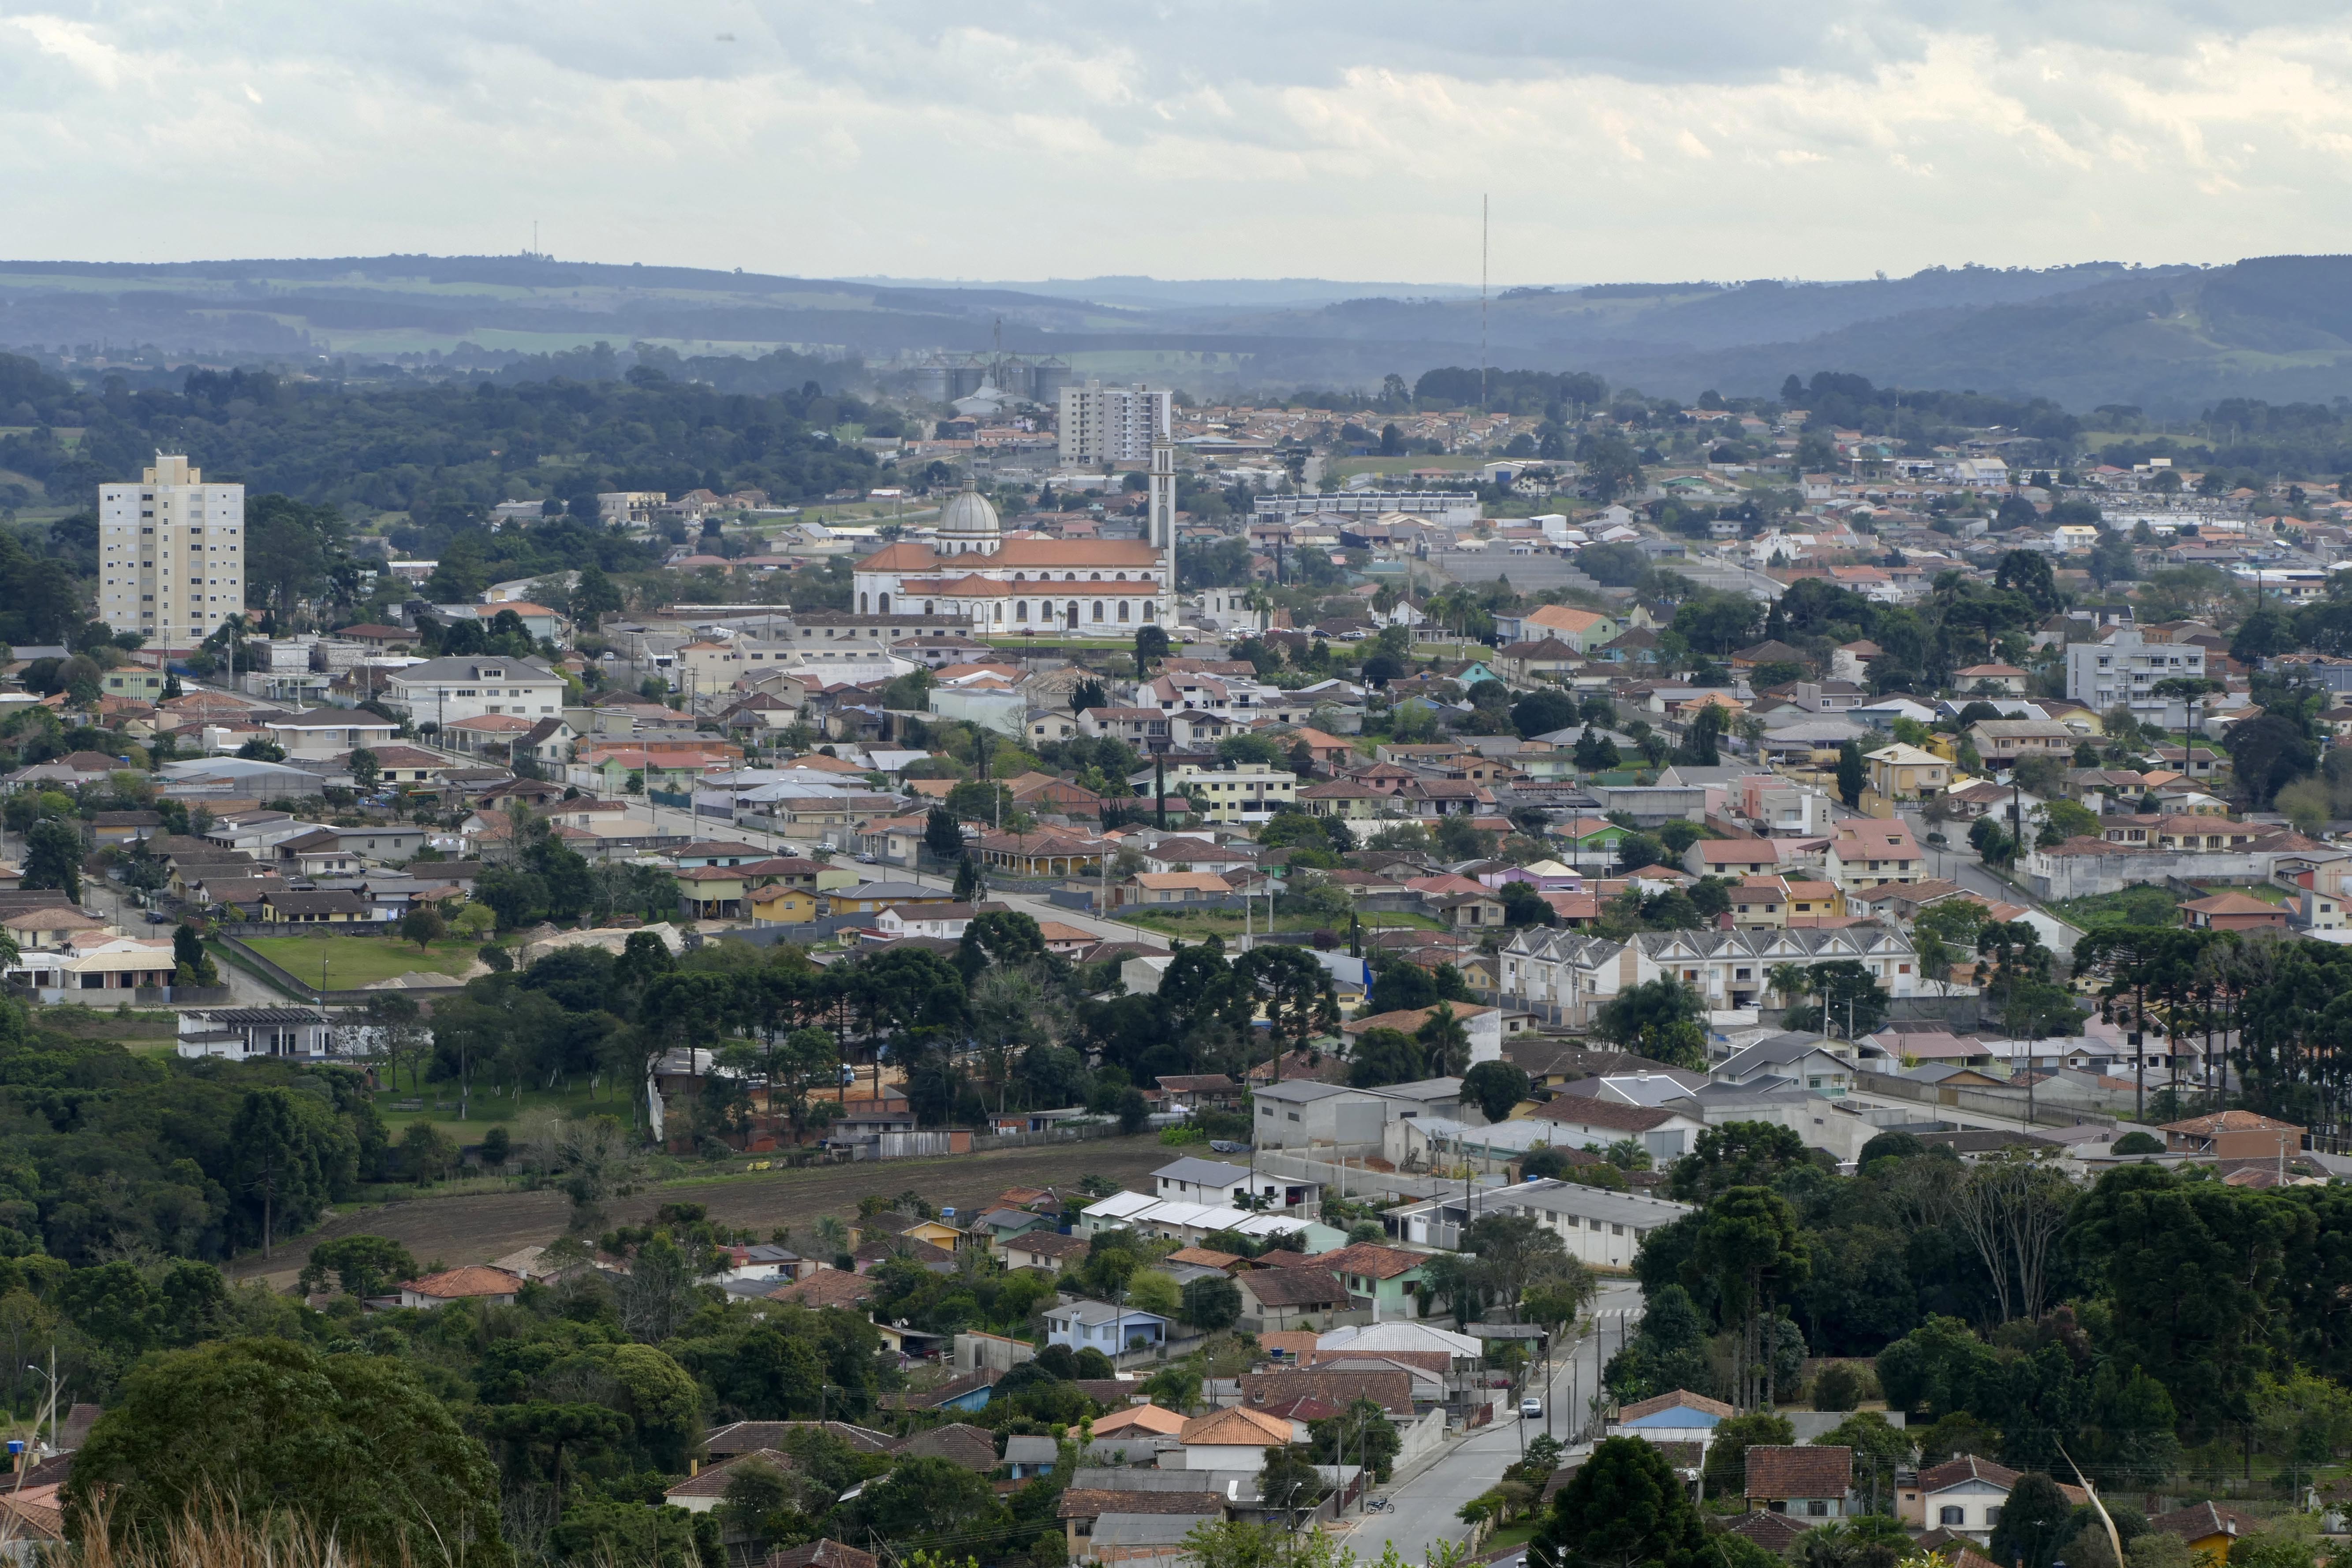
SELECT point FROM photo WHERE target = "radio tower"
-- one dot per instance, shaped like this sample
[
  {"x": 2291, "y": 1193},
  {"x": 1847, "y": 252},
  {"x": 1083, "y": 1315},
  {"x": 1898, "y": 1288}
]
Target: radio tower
[{"x": 1482, "y": 303}]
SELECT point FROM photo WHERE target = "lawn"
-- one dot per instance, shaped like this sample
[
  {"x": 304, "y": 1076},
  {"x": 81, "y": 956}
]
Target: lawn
[
  {"x": 487, "y": 1108},
  {"x": 134, "y": 1031},
  {"x": 355, "y": 961},
  {"x": 2144, "y": 905}
]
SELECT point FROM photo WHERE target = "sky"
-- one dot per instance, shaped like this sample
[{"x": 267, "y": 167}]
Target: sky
[{"x": 1215, "y": 139}]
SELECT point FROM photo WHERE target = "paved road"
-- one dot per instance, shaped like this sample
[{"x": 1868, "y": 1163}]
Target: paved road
[{"x": 1428, "y": 1501}]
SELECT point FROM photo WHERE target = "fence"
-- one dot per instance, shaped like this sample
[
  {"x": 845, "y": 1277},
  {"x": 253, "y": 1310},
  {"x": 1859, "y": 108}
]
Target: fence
[{"x": 2009, "y": 1106}]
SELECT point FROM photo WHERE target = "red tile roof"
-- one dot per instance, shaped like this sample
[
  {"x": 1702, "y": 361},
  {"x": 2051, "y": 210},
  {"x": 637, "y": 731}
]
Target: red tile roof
[{"x": 1814, "y": 1471}]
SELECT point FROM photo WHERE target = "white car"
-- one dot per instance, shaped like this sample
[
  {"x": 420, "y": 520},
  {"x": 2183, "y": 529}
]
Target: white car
[{"x": 1531, "y": 1408}]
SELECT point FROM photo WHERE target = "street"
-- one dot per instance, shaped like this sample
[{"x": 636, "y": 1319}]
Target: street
[{"x": 1427, "y": 1502}]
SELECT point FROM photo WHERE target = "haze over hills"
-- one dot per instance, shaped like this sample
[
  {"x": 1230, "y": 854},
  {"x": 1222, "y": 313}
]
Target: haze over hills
[{"x": 2170, "y": 338}]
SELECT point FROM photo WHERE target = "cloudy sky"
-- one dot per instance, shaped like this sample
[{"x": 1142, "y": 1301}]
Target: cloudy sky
[{"x": 1216, "y": 139}]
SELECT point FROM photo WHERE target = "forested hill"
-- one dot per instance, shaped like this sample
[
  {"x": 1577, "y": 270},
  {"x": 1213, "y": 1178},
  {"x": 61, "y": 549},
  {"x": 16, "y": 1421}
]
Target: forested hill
[
  {"x": 441, "y": 452},
  {"x": 2169, "y": 339}
]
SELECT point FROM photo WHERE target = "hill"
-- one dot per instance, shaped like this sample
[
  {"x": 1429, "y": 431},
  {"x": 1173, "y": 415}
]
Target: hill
[{"x": 2169, "y": 339}]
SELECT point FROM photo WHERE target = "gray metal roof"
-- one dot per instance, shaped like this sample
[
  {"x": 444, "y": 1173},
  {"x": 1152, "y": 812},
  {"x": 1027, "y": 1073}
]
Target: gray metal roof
[
  {"x": 1585, "y": 1203},
  {"x": 1151, "y": 1528},
  {"x": 1202, "y": 1172},
  {"x": 1031, "y": 1450}
]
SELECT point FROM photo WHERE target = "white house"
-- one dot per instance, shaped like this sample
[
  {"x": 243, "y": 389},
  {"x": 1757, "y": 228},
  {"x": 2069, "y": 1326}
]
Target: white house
[
  {"x": 1097, "y": 1325},
  {"x": 1201, "y": 1182},
  {"x": 441, "y": 690}
]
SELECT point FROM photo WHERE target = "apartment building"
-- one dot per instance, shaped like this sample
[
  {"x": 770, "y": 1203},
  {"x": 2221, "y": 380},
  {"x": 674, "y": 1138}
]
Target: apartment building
[
  {"x": 171, "y": 554},
  {"x": 1111, "y": 424},
  {"x": 443, "y": 690},
  {"x": 2123, "y": 668},
  {"x": 1563, "y": 976},
  {"x": 1237, "y": 794}
]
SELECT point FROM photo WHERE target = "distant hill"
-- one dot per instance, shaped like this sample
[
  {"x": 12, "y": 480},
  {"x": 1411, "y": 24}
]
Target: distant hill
[{"x": 2169, "y": 339}]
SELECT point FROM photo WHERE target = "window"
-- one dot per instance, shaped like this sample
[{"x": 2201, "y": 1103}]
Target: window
[
  {"x": 1817, "y": 1509},
  {"x": 1992, "y": 1516}
]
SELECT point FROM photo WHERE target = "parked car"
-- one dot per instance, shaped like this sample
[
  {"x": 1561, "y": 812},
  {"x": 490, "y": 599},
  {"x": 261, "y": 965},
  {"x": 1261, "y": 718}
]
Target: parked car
[
  {"x": 1531, "y": 1408},
  {"x": 157, "y": 917}
]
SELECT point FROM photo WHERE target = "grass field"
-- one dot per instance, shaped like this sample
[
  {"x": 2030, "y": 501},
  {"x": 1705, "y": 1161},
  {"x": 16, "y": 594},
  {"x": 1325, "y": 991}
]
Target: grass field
[
  {"x": 476, "y": 1227},
  {"x": 2143, "y": 905},
  {"x": 359, "y": 959},
  {"x": 437, "y": 1103},
  {"x": 135, "y": 1031}
]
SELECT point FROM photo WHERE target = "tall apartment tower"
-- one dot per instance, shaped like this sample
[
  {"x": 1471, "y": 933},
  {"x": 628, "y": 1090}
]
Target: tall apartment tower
[
  {"x": 171, "y": 554},
  {"x": 1112, "y": 424}
]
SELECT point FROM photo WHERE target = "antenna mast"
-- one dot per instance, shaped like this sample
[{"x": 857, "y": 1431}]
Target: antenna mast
[{"x": 1482, "y": 303}]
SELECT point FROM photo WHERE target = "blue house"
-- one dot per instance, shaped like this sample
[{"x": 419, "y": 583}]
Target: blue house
[
  {"x": 1097, "y": 1325},
  {"x": 1681, "y": 1416}
]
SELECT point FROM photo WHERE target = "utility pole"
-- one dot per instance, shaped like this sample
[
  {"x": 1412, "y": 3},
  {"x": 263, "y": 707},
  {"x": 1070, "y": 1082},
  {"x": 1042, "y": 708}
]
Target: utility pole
[{"x": 1483, "y": 203}]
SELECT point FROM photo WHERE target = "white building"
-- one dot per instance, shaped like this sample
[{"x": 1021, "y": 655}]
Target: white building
[
  {"x": 1111, "y": 424},
  {"x": 1565, "y": 976},
  {"x": 171, "y": 554},
  {"x": 1238, "y": 793},
  {"x": 2123, "y": 670},
  {"x": 445, "y": 690}
]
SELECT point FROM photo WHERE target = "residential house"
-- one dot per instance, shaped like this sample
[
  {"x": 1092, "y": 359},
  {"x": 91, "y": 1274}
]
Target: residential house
[
  {"x": 2233, "y": 1135},
  {"x": 1234, "y": 1439},
  {"x": 1813, "y": 1481},
  {"x": 1097, "y": 1325},
  {"x": 476, "y": 1282},
  {"x": 1282, "y": 1297},
  {"x": 2233, "y": 912},
  {"x": 1902, "y": 771}
]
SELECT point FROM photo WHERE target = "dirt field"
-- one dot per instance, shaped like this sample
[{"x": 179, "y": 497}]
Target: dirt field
[{"x": 478, "y": 1227}]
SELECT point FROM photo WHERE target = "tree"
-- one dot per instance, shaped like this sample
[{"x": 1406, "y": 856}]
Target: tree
[
  {"x": 2034, "y": 1523},
  {"x": 1658, "y": 1018},
  {"x": 1383, "y": 1056},
  {"x": 1750, "y": 1249},
  {"x": 360, "y": 1264},
  {"x": 1879, "y": 1450},
  {"x": 53, "y": 859},
  {"x": 1851, "y": 774},
  {"x": 365, "y": 770},
  {"x": 1211, "y": 1304},
  {"x": 1624, "y": 1508},
  {"x": 1727, "y": 1456},
  {"x": 355, "y": 1444},
  {"x": 2267, "y": 753},
  {"x": 1444, "y": 1043},
  {"x": 1514, "y": 1252},
  {"x": 1151, "y": 645},
  {"x": 424, "y": 926},
  {"x": 1496, "y": 1087},
  {"x": 1736, "y": 1154},
  {"x": 941, "y": 836},
  {"x": 1289, "y": 1480}
]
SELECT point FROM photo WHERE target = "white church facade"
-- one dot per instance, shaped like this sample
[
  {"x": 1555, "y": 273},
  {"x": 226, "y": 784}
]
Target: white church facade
[{"x": 1009, "y": 585}]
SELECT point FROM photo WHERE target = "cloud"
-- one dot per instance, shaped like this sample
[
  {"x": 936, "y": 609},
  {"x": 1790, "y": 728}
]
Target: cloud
[{"x": 1209, "y": 139}]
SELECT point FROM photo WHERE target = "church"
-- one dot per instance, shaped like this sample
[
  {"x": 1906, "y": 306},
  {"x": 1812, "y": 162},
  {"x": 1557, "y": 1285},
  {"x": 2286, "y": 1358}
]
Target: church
[{"x": 1009, "y": 585}]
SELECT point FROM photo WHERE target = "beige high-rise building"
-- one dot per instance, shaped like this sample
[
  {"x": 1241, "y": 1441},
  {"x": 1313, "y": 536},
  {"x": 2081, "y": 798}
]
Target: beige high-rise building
[
  {"x": 171, "y": 553},
  {"x": 1111, "y": 424}
]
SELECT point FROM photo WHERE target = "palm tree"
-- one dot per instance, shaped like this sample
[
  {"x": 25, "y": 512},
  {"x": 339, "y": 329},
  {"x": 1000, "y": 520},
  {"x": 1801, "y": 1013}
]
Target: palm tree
[
  {"x": 1444, "y": 1042},
  {"x": 1790, "y": 980}
]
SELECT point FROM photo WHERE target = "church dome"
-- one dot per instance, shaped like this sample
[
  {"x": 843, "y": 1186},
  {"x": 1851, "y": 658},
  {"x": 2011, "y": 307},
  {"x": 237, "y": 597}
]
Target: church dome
[{"x": 969, "y": 522}]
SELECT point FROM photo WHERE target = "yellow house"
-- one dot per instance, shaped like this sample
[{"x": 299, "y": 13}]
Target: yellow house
[
  {"x": 834, "y": 877},
  {"x": 939, "y": 1233},
  {"x": 781, "y": 906},
  {"x": 1900, "y": 771},
  {"x": 710, "y": 892}
]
